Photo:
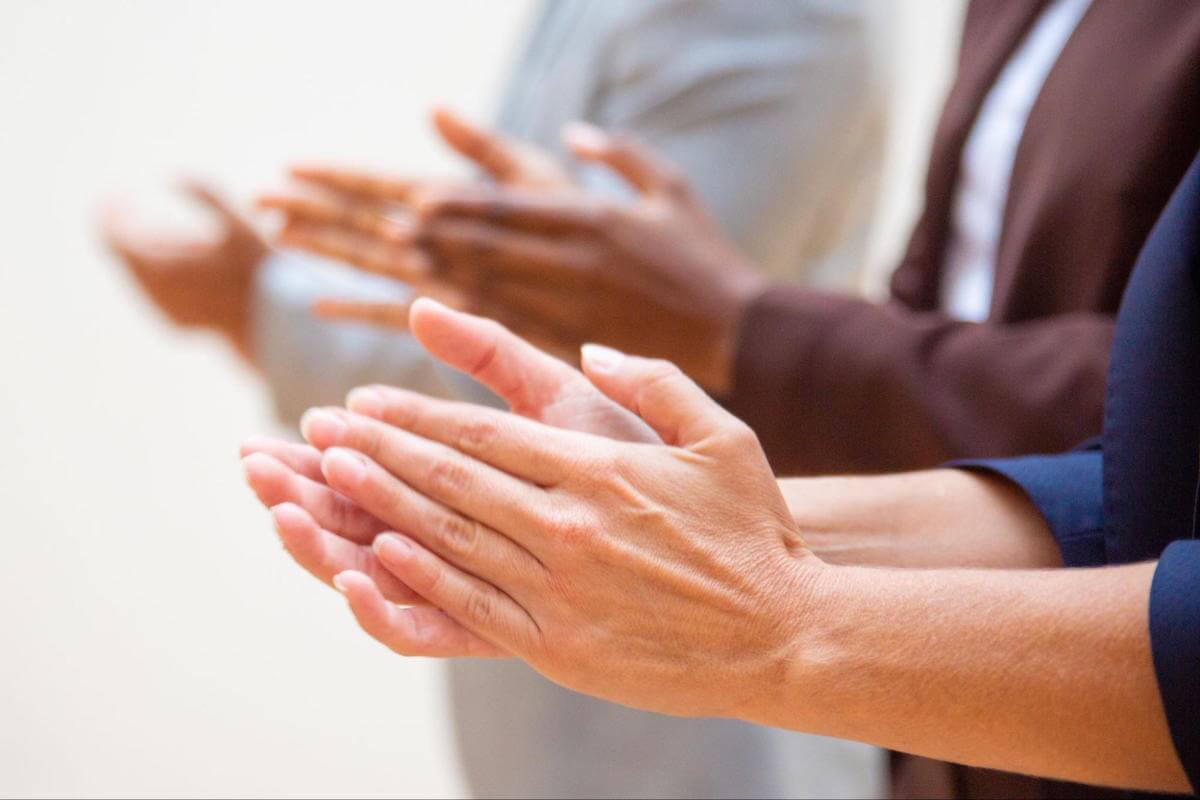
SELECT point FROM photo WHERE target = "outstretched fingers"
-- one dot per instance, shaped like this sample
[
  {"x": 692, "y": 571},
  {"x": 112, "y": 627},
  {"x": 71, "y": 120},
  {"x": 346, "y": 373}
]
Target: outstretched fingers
[
  {"x": 475, "y": 604},
  {"x": 362, "y": 183},
  {"x": 628, "y": 156},
  {"x": 302, "y": 459},
  {"x": 470, "y": 545}
]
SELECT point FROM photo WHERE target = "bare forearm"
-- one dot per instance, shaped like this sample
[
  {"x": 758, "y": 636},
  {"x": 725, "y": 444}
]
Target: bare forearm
[
  {"x": 1043, "y": 672},
  {"x": 936, "y": 518}
]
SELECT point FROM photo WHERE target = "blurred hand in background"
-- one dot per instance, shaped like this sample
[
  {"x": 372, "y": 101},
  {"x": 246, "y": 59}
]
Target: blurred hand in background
[
  {"x": 196, "y": 282},
  {"x": 654, "y": 276}
]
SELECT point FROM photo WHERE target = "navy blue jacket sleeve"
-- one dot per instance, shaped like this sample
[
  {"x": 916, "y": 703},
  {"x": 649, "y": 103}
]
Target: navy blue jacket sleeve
[
  {"x": 1175, "y": 640},
  {"x": 1068, "y": 492}
]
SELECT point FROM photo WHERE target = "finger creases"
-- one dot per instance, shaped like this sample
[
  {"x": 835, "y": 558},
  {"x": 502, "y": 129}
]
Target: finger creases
[
  {"x": 418, "y": 631},
  {"x": 469, "y": 544},
  {"x": 478, "y": 606},
  {"x": 445, "y": 431}
]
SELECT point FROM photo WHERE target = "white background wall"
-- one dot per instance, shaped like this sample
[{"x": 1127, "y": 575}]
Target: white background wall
[{"x": 153, "y": 638}]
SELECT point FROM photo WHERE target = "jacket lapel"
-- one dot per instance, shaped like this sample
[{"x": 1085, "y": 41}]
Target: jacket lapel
[{"x": 992, "y": 31}]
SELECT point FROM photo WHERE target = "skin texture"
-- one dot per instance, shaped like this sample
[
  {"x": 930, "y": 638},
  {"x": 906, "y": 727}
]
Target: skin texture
[
  {"x": 327, "y": 534},
  {"x": 672, "y": 575},
  {"x": 559, "y": 267},
  {"x": 200, "y": 283},
  {"x": 916, "y": 520}
]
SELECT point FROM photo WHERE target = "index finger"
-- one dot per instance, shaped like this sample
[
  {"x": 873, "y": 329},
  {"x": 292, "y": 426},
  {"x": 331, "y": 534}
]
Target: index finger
[
  {"x": 366, "y": 252},
  {"x": 360, "y": 182}
]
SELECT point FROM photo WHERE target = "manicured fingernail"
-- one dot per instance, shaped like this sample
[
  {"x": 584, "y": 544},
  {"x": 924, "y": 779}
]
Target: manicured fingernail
[
  {"x": 600, "y": 358},
  {"x": 344, "y": 465},
  {"x": 391, "y": 547},
  {"x": 365, "y": 400},
  {"x": 323, "y": 425},
  {"x": 339, "y": 582},
  {"x": 584, "y": 136}
]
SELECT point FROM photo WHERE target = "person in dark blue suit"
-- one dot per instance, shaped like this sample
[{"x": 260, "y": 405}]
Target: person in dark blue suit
[{"x": 624, "y": 535}]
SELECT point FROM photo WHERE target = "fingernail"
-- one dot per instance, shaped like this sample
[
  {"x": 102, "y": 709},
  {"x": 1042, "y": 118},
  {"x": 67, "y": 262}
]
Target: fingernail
[
  {"x": 584, "y": 136},
  {"x": 323, "y": 425},
  {"x": 600, "y": 358},
  {"x": 345, "y": 464},
  {"x": 365, "y": 400},
  {"x": 339, "y": 582},
  {"x": 391, "y": 547}
]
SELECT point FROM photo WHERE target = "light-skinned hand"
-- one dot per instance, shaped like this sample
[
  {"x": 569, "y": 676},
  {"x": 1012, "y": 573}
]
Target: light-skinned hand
[
  {"x": 327, "y": 534},
  {"x": 564, "y": 548}
]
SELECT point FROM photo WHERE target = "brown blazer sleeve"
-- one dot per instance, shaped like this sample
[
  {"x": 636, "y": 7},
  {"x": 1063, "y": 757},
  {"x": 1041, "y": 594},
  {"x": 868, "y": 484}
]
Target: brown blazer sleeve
[{"x": 839, "y": 384}]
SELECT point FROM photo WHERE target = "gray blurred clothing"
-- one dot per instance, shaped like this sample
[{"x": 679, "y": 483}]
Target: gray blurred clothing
[{"x": 774, "y": 111}]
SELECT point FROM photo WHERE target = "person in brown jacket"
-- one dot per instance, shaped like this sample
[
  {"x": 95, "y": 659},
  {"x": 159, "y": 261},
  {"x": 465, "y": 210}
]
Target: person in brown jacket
[{"x": 1067, "y": 127}]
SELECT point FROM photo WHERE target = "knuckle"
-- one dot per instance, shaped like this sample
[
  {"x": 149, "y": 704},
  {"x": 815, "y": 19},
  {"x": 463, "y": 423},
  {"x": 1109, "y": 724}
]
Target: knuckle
[
  {"x": 742, "y": 435},
  {"x": 366, "y": 438},
  {"x": 448, "y": 477},
  {"x": 476, "y": 434},
  {"x": 433, "y": 576},
  {"x": 480, "y": 607},
  {"x": 569, "y": 529},
  {"x": 456, "y": 535},
  {"x": 398, "y": 412}
]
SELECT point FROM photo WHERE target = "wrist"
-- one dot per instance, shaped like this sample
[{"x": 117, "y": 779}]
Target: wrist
[{"x": 800, "y": 613}]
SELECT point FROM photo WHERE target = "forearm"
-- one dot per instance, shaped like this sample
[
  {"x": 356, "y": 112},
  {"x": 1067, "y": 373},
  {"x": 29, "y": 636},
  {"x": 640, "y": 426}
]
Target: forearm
[
  {"x": 936, "y": 518},
  {"x": 1047, "y": 673}
]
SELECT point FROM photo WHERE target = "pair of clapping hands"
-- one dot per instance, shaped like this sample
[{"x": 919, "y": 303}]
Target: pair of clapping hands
[
  {"x": 619, "y": 531},
  {"x": 558, "y": 265}
]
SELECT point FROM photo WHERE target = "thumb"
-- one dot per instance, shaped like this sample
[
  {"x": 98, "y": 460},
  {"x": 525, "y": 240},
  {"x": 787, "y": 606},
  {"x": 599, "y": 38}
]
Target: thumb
[
  {"x": 658, "y": 392},
  {"x": 491, "y": 151},
  {"x": 626, "y": 155},
  {"x": 522, "y": 375}
]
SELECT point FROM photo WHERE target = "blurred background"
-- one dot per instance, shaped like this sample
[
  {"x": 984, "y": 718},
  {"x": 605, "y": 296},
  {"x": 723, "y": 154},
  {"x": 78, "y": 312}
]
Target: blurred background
[{"x": 155, "y": 639}]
